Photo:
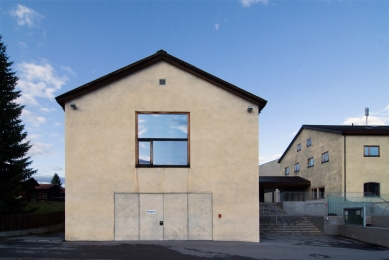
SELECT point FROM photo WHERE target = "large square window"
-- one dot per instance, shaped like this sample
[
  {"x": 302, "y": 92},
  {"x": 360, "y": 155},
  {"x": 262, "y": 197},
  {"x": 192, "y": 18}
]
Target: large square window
[
  {"x": 162, "y": 139},
  {"x": 372, "y": 151}
]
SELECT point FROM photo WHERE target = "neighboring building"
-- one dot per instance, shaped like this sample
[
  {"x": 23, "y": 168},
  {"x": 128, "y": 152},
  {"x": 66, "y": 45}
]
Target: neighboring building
[
  {"x": 272, "y": 182},
  {"x": 47, "y": 192},
  {"x": 340, "y": 158},
  {"x": 271, "y": 168},
  {"x": 160, "y": 150}
]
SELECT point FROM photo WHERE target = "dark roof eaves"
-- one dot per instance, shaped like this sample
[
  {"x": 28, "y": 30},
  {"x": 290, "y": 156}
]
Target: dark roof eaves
[
  {"x": 160, "y": 55},
  {"x": 106, "y": 79},
  {"x": 295, "y": 137}
]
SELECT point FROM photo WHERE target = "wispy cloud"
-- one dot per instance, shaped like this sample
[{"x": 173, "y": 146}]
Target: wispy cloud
[
  {"x": 142, "y": 129},
  {"x": 38, "y": 80},
  {"x": 293, "y": 134},
  {"x": 25, "y": 16},
  {"x": 32, "y": 118},
  {"x": 376, "y": 118},
  {"x": 217, "y": 26},
  {"x": 33, "y": 136},
  {"x": 68, "y": 70},
  {"x": 182, "y": 128},
  {"x": 248, "y": 3},
  {"x": 39, "y": 149},
  {"x": 45, "y": 109},
  {"x": 22, "y": 45}
]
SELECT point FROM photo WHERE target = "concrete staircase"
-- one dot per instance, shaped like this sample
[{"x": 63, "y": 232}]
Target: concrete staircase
[{"x": 273, "y": 224}]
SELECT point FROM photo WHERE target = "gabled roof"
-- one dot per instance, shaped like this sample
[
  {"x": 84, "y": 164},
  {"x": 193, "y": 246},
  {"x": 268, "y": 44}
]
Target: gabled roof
[
  {"x": 342, "y": 130},
  {"x": 159, "y": 56},
  {"x": 46, "y": 186}
]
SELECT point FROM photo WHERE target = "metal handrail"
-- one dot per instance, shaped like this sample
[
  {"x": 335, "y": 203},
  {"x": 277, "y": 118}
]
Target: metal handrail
[{"x": 277, "y": 215}]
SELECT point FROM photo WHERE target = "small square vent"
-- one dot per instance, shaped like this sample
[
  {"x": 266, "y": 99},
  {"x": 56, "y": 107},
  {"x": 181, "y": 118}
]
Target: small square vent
[{"x": 162, "y": 82}]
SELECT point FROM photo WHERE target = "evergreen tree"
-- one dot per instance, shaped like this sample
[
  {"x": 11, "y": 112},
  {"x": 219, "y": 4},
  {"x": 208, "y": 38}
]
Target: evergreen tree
[
  {"x": 14, "y": 165},
  {"x": 56, "y": 180}
]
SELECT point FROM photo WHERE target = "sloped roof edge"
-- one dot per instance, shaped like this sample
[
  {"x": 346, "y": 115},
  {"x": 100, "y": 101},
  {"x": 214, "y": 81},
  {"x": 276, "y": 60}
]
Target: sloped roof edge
[
  {"x": 159, "y": 56},
  {"x": 342, "y": 130}
]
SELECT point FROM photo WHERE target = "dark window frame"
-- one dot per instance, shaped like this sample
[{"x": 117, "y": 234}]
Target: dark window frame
[
  {"x": 287, "y": 171},
  {"x": 137, "y": 140},
  {"x": 323, "y": 158},
  {"x": 309, "y": 161},
  {"x": 369, "y": 146},
  {"x": 299, "y": 147},
  {"x": 309, "y": 142}
]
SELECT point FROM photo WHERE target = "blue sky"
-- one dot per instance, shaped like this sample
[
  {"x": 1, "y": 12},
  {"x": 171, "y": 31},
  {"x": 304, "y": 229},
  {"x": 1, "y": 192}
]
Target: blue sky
[{"x": 316, "y": 62}]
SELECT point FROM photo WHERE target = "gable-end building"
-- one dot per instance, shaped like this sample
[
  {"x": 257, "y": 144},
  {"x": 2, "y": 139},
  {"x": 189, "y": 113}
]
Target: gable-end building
[
  {"x": 160, "y": 150},
  {"x": 339, "y": 159}
]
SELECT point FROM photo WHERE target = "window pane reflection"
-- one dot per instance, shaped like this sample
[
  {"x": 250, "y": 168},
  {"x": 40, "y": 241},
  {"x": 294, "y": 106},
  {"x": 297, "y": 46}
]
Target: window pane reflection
[
  {"x": 170, "y": 152},
  {"x": 162, "y": 125},
  {"x": 144, "y": 152}
]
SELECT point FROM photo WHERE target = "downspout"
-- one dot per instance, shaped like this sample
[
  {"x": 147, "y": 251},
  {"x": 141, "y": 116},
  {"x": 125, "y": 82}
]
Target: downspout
[{"x": 344, "y": 165}]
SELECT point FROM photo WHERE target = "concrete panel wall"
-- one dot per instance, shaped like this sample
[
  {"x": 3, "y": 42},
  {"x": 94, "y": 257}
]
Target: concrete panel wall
[
  {"x": 380, "y": 222},
  {"x": 374, "y": 235},
  {"x": 149, "y": 224},
  {"x": 175, "y": 209},
  {"x": 126, "y": 216},
  {"x": 306, "y": 208},
  {"x": 328, "y": 225},
  {"x": 200, "y": 216}
]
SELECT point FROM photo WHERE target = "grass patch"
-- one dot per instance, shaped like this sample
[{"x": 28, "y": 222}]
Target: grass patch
[{"x": 44, "y": 207}]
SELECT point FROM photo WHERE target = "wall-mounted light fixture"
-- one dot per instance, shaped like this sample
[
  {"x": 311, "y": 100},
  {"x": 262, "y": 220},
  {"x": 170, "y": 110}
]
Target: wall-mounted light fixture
[
  {"x": 250, "y": 108},
  {"x": 73, "y": 105}
]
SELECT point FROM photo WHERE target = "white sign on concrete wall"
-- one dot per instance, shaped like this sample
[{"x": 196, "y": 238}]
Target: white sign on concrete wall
[{"x": 151, "y": 211}]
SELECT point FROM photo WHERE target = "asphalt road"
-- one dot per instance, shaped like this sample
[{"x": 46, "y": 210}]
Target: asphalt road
[{"x": 53, "y": 246}]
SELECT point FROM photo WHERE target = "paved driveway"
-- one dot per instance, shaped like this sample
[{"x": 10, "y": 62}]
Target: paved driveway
[{"x": 52, "y": 246}]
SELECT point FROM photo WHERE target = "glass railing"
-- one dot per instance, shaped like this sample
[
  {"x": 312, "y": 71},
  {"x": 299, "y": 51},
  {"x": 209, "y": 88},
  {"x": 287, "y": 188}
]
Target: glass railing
[{"x": 375, "y": 205}]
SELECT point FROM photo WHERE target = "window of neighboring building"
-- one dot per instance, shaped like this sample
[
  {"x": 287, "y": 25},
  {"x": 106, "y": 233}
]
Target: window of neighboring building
[
  {"x": 318, "y": 193},
  {"x": 321, "y": 193},
  {"x": 297, "y": 167},
  {"x": 372, "y": 151},
  {"x": 287, "y": 171},
  {"x": 310, "y": 162},
  {"x": 309, "y": 142},
  {"x": 314, "y": 194},
  {"x": 371, "y": 189},
  {"x": 298, "y": 147},
  {"x": 325, "y": 157},
  {"x": 162, "y": 139}
]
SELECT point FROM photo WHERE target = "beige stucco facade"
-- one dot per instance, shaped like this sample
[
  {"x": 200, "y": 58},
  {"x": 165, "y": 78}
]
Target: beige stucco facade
[
  {"x": 347, "y": 168},
  {"x": 361, "y": 169},
  {"x": 102, "y": 180}
]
